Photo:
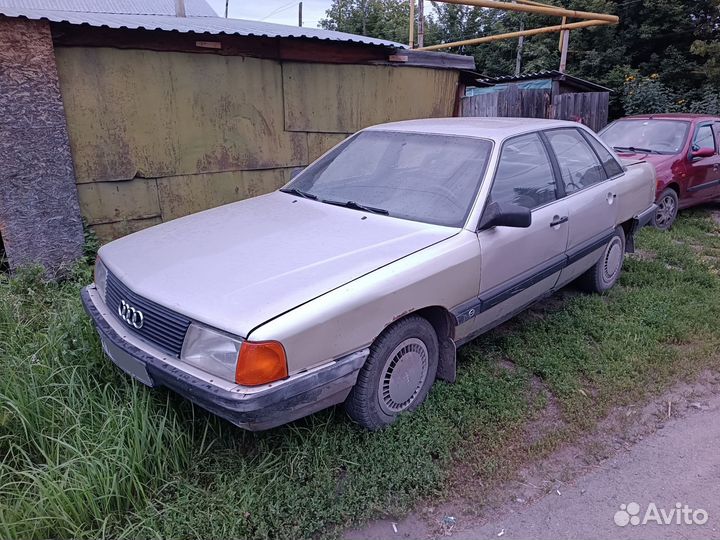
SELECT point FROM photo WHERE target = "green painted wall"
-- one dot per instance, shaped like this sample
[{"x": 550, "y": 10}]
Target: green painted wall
[{"x": 158, "y": 135}]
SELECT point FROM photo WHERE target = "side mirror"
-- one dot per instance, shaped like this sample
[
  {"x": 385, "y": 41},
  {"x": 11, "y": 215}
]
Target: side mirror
[
  {"x": 505, "y": 215},
  {"x": 296, "y": 171},
  {"x": 702, "y": 153}
]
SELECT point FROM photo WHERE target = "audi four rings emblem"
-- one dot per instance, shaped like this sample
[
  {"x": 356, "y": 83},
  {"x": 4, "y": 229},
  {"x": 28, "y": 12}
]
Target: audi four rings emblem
[{"x": 130, "y": 315}]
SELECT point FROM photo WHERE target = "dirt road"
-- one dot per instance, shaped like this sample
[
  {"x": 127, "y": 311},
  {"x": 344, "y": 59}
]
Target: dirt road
[{"x": 678, "y": 463}]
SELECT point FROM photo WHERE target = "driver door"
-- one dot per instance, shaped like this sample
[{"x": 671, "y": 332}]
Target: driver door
[
  {"x": 704, "y": 173},
  {"x": 519, "y": 265}
]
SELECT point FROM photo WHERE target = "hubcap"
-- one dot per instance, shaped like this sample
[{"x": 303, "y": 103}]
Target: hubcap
[
  {"x": 613, "y": 259},
  {"x": 403, "y": 376},
  {"x": 666, "y": 211}
]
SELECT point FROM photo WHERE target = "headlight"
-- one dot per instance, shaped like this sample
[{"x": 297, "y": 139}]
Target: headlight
[
  {"x": 211, "y": 351},
  {"x": 100, "y": 277},
  {"x": 245, "y": 362}
]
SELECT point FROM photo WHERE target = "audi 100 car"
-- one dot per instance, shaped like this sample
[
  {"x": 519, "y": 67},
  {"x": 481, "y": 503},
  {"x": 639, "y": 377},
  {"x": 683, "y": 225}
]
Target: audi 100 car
[{"x": 357, "y": 281}]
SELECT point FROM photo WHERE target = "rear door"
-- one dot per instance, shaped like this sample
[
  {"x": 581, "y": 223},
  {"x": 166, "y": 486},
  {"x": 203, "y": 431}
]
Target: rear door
[
  {"x": 704, "y": 173},
  {"x": 590, "y": 193},
  {"x": 519, "y": 265}
]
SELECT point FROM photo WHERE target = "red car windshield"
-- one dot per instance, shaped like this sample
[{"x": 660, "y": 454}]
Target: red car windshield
[{"x": 657, "y": 136}]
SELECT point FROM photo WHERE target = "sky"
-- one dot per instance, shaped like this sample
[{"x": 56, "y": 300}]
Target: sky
[{"x": 276, "y": 11}]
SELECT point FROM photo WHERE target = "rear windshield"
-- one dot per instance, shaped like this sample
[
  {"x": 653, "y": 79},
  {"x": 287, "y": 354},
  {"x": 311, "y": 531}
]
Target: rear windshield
[
  {"x": 638, "y": 135},
  {"x": 421, "y": 177}
]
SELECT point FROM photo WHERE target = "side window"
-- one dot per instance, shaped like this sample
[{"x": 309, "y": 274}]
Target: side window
[
  {"x": 579, "y": 165},
  {"x": 611, "y": 165},
  {"x": 524, "y": 175},
  {"x": 704, "y": 138}
]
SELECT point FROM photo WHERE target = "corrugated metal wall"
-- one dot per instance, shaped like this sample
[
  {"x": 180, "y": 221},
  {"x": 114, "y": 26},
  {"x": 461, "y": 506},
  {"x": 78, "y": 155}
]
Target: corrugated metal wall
[{"x": 158, "y": 135}]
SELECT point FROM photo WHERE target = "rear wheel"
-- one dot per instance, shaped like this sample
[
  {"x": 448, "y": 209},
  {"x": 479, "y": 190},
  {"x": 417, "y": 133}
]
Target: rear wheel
[
  {"x": 397, "y": 375},
  {"x": 605, "y": 273},
  {"x": 667, "y": 210}
]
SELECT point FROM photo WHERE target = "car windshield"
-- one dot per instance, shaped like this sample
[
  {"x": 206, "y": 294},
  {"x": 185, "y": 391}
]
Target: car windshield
[
  {"x": 421, "y": 177},
  {"x": 655, "y": 136}
]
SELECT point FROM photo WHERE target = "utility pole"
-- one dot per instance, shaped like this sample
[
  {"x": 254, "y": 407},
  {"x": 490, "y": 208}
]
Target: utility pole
[
  {"x": 520, "y": 45},
  {"x": 411, "y": 41},
  {"x": 226, "y": 7},
  {"x": 421, "y": 23},
  {"x": 300, "y": 14}
]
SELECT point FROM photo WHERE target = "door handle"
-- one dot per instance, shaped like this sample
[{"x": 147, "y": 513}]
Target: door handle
[
  {"x": 557, "y": 220},
  {"x": 611, "y": 197}
]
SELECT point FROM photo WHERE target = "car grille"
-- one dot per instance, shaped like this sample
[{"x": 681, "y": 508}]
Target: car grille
[{"x": 161, "y": 326}]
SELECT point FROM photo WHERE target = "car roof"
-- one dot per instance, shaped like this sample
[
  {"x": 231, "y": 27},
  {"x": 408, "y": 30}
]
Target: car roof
[
  {"x": 672, "y": 116},
  {"x": 488, "y": 128}
]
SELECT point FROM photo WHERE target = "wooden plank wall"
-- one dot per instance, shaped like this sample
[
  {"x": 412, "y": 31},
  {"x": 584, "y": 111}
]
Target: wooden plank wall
[
  {"x": 156, "y": 135},
  {"x": 513, "y": 102},
  {"x": 589, "y": 108}
]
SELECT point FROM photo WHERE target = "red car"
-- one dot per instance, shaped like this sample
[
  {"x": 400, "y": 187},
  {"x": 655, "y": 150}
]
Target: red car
[{"x": 685, "y": 150}]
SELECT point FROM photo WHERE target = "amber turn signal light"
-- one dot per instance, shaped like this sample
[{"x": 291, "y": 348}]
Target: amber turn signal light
[{"x": 260, "y": 363}]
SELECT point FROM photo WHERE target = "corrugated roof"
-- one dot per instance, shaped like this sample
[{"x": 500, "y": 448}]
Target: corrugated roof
[
  {"x": 193, "y": 8},
  {"x": 199, "y": 25},
  {"x": 553, "y": 74}
]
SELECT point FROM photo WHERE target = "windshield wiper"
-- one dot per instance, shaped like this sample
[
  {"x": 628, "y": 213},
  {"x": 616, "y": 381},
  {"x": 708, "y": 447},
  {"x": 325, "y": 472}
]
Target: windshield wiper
[
  {"x": 357, "y": 206},
  {"x": 635, "y": 149},
  {"x": 300, "y": 193}
]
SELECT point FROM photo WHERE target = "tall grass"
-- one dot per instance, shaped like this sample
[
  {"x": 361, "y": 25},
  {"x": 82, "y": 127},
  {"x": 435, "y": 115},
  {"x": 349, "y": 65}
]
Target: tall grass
[
  {"x": 78, "y": 442},
  {"x": 85, "y": 452}
]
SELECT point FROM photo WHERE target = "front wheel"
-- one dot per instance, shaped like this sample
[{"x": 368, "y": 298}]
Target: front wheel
[
  {"x": 605, "y": 273},
  {"x": 397, "y": 375},
  {"x": 667, "y": 210}
]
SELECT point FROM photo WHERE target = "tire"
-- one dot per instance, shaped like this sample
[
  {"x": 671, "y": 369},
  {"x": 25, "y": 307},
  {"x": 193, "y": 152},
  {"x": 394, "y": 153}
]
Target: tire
[
  {"x": 667, "y": 210},
  {"x": 605, "y": 273},
  {"x": 408, "y": 348}
]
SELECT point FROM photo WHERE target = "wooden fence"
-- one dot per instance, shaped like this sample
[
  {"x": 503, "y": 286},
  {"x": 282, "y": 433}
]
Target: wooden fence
[{"x": 589, "y": 108}]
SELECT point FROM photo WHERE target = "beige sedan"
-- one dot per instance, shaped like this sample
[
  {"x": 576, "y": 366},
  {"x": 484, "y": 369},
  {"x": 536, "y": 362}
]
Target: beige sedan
[{"x": 357, "y": 281}]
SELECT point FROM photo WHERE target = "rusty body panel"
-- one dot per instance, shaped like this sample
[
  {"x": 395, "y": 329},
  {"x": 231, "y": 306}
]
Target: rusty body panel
[{"x": 157, "y": 135}]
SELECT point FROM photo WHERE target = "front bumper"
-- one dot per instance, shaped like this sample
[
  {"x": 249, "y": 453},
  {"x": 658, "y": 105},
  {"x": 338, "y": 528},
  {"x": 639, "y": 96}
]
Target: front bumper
[{"x": 253, "y": 408}]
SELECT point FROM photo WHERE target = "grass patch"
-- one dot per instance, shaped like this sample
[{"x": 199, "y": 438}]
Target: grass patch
[{"x": 85, "y": 452}]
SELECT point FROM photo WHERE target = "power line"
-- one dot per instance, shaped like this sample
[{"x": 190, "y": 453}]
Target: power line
[{"x": 278, "y": 10}]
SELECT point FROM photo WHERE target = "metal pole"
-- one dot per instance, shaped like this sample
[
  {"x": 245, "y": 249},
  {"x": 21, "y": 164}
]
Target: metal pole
[
  {"x": 179, "y": 8},
  {"x": 535, "y": 7},
  {"x": 421, "y": 23},
  {"x": 300, "y": 14},
  {"x": 412, "y": 23},
  {"x": 511, "y": 35},
  {"x": 226, "y": 8}
]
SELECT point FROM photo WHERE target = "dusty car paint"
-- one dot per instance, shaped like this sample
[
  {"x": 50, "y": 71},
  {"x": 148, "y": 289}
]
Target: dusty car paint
[{"x": 325, "y": 281}]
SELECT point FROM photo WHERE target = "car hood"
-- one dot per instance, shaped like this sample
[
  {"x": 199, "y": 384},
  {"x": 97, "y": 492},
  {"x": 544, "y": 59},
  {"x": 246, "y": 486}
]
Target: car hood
[
  {"x": 237, "y": 266},
  {"x": 653, "y": 159}
]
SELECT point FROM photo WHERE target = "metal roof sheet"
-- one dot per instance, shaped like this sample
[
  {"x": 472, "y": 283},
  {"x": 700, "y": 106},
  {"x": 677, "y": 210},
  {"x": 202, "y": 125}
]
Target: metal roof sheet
[
  {"x": 199, "y": 25},
  {"x": 193, "y": 8},
  {"x": 549, "y": 74}
]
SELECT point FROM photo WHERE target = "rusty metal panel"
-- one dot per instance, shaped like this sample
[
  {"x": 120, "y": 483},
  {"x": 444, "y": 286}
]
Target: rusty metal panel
[
  {"x": 103, "y": 202},
  {"x": 150, "y": 114},
  {"x": 319, "y": 143},
  {"x": 106, "y": 232},
  {"x": 184, "y": 195},
  {"x": 344, "y": 98}
]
